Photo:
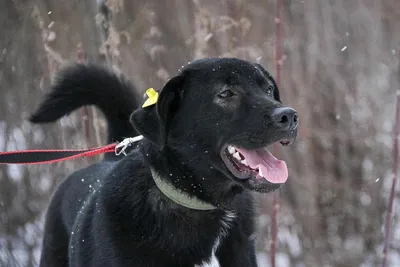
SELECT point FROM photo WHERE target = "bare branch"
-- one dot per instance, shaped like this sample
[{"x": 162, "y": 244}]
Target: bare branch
[{"x": 396, "y": 132}]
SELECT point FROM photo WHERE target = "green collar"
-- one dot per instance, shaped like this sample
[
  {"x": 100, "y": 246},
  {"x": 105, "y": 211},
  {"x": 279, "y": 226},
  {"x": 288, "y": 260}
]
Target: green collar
[{"x": 178, "y": 196}]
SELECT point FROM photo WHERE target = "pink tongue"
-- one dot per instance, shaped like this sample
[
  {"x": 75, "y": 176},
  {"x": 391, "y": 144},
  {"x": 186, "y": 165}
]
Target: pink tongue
[{"x": 271, "y": 168}]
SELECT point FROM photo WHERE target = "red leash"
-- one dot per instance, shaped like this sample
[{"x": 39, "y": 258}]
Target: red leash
[
  {"x": 51, "y": 156},
  {"x": 57, "y": 155}
]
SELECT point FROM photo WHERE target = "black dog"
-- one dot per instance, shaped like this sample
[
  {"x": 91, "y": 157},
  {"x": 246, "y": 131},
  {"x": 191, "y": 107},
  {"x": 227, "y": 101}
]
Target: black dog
[{"x": 183, "y": 196}]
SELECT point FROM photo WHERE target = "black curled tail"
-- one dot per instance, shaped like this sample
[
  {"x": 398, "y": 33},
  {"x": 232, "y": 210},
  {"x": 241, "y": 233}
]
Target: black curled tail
[{"x": 81, "y": 85}]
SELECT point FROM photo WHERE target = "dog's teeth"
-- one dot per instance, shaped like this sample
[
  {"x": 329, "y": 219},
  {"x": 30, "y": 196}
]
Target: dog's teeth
[
  {"x": 237, "y": 156},
  {"x": 244, "y": 162},
  {"x": 260, "y": 172},
  {"x": 231, "y": 149}
]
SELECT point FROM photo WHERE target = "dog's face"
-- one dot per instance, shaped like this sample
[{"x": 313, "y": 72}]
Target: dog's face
[{"x": 219, "y": 115}]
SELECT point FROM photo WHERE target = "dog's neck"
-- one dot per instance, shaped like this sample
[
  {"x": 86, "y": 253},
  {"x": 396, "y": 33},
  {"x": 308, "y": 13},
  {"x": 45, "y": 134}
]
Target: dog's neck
[
  {"x": 174, "y": 180},
  {"x": 204, "y": 187},
  {"x": 178, "y": 196}
]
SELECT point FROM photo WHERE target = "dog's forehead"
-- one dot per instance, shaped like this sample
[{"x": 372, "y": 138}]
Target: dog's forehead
[
  {"x": 234, "y": 65},
  {"x": 231, "y": 71}
]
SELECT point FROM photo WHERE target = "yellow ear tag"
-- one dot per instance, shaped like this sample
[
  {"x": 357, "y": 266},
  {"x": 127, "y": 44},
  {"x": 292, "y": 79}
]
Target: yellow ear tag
[{"x": 153, "y": 97}]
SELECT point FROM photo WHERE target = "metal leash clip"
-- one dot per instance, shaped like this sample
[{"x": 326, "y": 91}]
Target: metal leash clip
[{"x": 121, "y": 147}]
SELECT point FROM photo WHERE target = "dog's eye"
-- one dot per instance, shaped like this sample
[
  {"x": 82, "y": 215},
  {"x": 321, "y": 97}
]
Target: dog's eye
[
  {"x": 226, "y": 94},
  {"x": 270, "y": 89}
]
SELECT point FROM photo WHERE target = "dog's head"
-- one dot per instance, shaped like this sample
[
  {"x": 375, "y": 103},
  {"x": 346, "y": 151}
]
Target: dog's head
[{"x": 219, "y": 115}]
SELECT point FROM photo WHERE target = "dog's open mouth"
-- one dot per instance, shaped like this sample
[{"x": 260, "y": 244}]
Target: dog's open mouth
[{"x": 256, "y": 163}]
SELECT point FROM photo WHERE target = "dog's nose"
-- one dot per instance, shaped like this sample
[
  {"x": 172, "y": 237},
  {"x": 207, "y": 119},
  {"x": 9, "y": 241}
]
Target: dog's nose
[{"x": 286, "y": 118}]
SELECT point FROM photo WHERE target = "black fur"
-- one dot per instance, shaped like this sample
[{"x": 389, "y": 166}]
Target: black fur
[
  {"x": 112, "y": 214},
  {"x": 82, "y": 85}
]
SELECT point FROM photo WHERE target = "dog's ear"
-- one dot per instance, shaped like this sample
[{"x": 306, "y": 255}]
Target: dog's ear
[
  {"x": 269, "y": 77},
  {"x": 153, "y": 121}
]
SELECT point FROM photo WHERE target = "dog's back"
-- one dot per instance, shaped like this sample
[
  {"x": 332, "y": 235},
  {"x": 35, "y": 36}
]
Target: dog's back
[{"x": 77, "y": 86}]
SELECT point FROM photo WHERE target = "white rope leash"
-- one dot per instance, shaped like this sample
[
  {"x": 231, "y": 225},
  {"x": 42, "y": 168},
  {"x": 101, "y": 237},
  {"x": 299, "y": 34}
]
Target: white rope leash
[{"x": 121, "y": 147}]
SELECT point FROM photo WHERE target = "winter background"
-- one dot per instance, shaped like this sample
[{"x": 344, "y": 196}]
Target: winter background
[{"x": 340, "y": 70}]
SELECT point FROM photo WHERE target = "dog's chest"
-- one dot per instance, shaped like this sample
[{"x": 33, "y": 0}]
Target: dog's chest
[
  {"x": 212, "y": 262},
  {"x": 226, "y": 222}
]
